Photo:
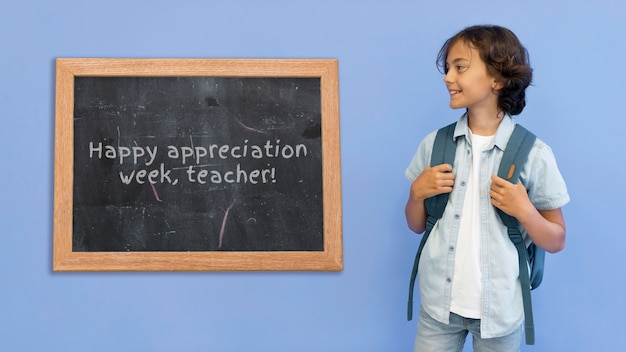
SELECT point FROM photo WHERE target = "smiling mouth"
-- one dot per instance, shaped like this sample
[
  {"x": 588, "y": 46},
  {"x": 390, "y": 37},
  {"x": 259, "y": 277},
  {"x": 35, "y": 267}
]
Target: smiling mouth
[{"x": 454, "y": 92}]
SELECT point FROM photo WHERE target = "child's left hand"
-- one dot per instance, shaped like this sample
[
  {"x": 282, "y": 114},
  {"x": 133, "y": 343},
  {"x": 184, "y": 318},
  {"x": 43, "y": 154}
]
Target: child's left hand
[{"x": 510, "y": 198}]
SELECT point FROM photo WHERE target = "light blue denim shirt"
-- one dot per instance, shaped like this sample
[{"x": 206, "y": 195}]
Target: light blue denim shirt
[{"x": 502, "y": 308}]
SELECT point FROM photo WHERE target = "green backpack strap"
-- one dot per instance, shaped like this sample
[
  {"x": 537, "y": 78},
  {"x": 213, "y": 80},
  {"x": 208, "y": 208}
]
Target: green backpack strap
[
  {"x": 444, "y": 149},
  {"x": 513, "y": 160}
]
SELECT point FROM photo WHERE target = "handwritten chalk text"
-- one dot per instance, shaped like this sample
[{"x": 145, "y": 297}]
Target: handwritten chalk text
[
  {"x": 270, "y": 149},
  {"x": 111, "y": 152},
  {"x": 199, "y": 164},
  {"x": 237, "y": 176}
]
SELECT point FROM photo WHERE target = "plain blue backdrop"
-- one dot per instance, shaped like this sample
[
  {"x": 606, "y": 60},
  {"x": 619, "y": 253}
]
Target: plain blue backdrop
[{"x": 391, "y": 95}]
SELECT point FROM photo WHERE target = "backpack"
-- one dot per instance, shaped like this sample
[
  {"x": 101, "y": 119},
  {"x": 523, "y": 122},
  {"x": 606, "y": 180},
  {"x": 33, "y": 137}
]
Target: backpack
[{"x": 531, "y": 257}]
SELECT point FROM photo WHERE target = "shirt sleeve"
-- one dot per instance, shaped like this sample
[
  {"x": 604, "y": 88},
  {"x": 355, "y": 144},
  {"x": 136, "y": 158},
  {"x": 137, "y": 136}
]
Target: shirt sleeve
[
  {"x": 546, "y": 187},
  {"x": 421, "y": 159}
]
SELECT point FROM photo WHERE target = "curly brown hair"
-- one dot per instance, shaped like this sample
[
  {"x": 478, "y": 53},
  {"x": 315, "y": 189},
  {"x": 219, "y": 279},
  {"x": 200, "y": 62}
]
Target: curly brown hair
[{"x": 506, "y": 58}]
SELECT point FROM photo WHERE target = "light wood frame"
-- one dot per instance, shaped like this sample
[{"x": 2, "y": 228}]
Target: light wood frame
[{"x": 64, "y": 259}]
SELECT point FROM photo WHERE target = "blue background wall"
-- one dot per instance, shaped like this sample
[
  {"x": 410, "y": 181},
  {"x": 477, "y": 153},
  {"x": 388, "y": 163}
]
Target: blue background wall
[{"x": 391, "y": 95}]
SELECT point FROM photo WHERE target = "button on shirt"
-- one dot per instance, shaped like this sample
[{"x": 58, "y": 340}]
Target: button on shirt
[{"x": 502, "y": 307}]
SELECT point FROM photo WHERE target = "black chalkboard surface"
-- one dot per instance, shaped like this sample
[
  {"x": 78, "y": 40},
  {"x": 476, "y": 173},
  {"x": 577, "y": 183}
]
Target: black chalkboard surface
[
  {"x": 184, "y": 167},
  {"x": 197, "y": 164}
]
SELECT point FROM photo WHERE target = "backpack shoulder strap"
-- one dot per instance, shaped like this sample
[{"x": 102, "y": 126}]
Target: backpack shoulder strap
[
  {"x": 516, "y": 153},
  {"x": 444, "y": 150},
  {"x": 513, "y": 160}
]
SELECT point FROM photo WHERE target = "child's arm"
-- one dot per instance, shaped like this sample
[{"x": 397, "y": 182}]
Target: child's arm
[
  {"x": 431, "y": 182},
  {"x": 545, "y": 227}
]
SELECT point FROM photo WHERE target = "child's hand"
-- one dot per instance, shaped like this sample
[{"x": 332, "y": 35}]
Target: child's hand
[
  {"x": 546, "y": 228},
  {"x": 433, "y": 181},
  {"x": 510, "y": 198}
]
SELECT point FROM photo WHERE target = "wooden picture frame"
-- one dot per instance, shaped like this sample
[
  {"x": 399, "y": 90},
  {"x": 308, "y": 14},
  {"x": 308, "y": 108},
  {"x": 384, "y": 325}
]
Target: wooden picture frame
[{"x": 66, "y": 258}]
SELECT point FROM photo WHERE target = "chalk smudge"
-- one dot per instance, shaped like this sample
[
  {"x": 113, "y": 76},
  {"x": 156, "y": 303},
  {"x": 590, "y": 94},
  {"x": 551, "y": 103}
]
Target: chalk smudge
[
  {"x": 154, "y": 191},
  {"x": 221, "y": 238}
]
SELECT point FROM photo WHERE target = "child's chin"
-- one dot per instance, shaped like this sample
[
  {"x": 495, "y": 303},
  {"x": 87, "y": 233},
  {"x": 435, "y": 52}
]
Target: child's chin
[{"x": 456, "y": 106}]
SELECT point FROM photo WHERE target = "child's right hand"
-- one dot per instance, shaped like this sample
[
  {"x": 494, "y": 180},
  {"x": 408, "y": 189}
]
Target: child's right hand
[{"x": 432, "y": 181}]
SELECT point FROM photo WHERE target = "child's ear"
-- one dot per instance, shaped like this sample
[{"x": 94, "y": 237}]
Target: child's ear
[{"x": 497, "y": 85}]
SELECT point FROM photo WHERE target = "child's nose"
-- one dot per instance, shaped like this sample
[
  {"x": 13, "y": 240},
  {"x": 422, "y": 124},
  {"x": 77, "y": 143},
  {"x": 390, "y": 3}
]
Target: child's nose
[{"x": 449, "y": 77}]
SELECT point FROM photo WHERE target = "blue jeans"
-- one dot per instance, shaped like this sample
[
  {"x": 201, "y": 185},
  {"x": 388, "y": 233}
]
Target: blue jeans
[{"x": 433, "y": 336}]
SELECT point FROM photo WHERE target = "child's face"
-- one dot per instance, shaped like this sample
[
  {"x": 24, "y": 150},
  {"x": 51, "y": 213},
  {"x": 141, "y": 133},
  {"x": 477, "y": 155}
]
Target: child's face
[{"x": 468, "y": 81}]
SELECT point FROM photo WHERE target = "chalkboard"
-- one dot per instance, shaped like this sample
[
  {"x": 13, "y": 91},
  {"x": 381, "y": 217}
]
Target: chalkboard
[{"x": 197, "y": 164}]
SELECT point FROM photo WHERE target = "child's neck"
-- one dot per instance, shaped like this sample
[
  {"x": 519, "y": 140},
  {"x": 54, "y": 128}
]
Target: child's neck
[{"x": 484, "y": 123}]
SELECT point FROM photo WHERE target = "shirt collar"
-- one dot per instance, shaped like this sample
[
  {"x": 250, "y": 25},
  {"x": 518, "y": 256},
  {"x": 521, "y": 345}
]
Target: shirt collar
[{"x": 502, "y": 134}]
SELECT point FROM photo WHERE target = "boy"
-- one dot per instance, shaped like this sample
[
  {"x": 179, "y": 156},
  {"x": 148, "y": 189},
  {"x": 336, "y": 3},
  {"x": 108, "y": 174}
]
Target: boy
[{"x": 468, "y": 271}]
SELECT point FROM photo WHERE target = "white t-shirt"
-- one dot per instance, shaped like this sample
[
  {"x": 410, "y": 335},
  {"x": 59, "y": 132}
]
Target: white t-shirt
[{"x": 467, "y": 284}]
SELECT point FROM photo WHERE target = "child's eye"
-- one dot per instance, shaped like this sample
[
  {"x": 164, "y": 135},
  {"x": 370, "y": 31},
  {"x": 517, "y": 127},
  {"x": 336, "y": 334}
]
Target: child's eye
[{"x": 461, "y": 68}]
